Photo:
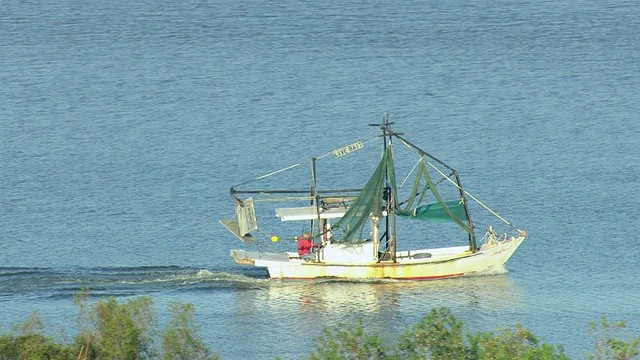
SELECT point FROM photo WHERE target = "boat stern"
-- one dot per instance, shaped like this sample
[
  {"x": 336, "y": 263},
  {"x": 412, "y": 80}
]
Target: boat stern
[{"x": 261, "y": 259}]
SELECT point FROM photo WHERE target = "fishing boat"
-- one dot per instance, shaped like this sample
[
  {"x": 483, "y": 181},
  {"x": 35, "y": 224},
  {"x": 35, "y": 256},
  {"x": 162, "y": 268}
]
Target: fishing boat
[{"x": 358, "y": 233}]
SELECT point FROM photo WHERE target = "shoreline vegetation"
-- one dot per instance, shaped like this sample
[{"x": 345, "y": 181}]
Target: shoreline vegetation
[{"x": 112, "y": 329}]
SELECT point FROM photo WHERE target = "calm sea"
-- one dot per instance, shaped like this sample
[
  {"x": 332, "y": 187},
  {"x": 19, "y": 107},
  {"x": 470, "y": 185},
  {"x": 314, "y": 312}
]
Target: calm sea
[{"x": 123, "y": 124}]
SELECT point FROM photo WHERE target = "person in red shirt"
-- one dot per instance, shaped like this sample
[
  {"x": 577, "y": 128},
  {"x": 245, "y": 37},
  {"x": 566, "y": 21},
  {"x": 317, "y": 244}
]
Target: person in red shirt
[{"x": 305, "y": 244}]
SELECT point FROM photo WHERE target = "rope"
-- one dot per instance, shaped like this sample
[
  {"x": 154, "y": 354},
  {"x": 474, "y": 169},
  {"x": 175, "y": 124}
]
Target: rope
[
  {"x": 410, "y": 172},
  {"x": 277, "y": 171},
  {"x": 269, "y": 174},
  {"x": 264, "y": 238}
]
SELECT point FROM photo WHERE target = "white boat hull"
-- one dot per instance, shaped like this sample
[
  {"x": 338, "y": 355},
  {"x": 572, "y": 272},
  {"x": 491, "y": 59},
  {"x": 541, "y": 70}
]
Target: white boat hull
[{"x": 410, "y": 265}]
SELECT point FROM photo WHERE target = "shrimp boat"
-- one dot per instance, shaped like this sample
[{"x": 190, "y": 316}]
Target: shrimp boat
[{"x": 358, "y": 233}]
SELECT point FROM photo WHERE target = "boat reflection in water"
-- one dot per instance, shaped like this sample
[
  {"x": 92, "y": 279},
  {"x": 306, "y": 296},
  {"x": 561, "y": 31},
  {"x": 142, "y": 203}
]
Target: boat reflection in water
[{"x": 341, "y": 300}]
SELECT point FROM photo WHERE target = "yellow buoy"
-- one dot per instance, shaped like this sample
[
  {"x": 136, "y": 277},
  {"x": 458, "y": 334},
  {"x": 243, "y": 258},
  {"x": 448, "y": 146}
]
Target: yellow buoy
[{"x": 274, "y": 239}]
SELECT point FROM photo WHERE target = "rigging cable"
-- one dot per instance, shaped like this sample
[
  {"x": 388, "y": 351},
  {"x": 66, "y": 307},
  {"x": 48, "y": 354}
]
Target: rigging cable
[
  {"x": 410, "y": 172},
  {"x": 269, "y": 174},
  {"x": 474, "y": 198},
  {"x": 364, "y": 139}
]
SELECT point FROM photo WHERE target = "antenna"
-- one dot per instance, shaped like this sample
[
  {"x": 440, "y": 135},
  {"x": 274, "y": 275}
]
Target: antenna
[{"x": 386, "y": 125}]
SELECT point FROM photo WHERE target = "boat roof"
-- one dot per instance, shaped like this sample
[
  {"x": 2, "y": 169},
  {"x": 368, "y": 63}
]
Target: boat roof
[{"x": 309, "y": 213}]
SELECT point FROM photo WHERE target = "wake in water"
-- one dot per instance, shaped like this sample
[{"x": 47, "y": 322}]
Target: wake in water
[
  {"x": 499, "y": 270},
  {"x": 134, "y": 281},
  {"x": 119, "y": 281}
]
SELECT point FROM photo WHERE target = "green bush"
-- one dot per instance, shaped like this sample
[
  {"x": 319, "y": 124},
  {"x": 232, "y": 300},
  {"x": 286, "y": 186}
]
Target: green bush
[
  {"x": 110, "y": 329},
  {"x": 348, "y": 342},
  {"x": 117, "y": 330},
  {"x": 27, "y": 342},
  {"x": 518, "y": 343},
  {"x": 180, "y": 339},
  {"x": 438, "y": 336},
  {"x": 608, "y": 345}
]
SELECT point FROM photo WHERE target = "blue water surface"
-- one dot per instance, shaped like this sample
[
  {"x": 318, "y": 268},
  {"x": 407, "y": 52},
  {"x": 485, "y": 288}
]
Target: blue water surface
[{"x": 123, "y": 125}]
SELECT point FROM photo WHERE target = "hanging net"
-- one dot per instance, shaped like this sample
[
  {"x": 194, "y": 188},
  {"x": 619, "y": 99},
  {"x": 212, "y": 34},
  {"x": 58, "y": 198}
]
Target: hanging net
[
  {"x": 440, "y": 211},
  {"x": 350, "y": 229}
]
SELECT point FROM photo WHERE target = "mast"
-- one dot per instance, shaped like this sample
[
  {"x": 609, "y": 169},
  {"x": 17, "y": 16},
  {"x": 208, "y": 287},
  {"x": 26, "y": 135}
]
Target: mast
[
  {"x": 390, "y": 229},
  {"x": 314, "y": 194}
]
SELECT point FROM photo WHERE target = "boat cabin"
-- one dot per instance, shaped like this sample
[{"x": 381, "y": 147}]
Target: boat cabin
[{"x": 361, "y": 253}]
